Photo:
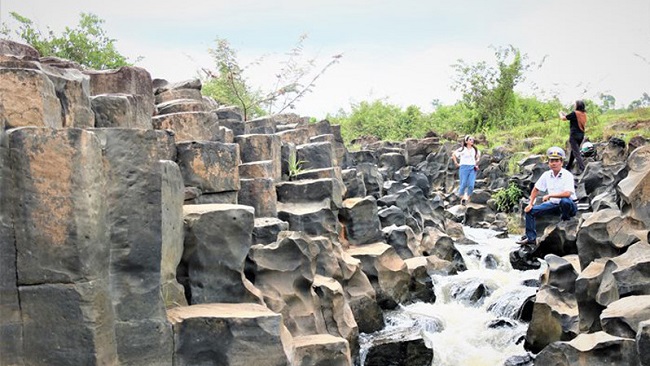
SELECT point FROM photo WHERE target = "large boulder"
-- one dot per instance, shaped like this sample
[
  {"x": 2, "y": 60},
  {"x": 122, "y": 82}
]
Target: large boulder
[
  {"x": 594, "y": 349},
  {"x": 622, "y": 317},
  {"x": 604, "y": 234},
  {"x": 555, "y": 318},
  {"x": 386, "y": 271}
]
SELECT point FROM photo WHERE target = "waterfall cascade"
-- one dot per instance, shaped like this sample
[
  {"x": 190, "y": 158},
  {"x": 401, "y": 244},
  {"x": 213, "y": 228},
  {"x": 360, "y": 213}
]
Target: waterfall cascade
[{"x": 474, "y": 320}]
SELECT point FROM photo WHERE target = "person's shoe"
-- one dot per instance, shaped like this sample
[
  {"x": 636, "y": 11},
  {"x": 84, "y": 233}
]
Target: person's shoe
[{"x": 524, "y": 240}]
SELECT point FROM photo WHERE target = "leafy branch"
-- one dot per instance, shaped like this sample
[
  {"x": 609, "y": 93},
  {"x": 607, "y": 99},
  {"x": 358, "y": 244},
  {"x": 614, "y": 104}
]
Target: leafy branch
[{"x": 229, "y": 84}]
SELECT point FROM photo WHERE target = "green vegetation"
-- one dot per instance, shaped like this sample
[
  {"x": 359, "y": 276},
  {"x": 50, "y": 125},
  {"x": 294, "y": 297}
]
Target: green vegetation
[
  {"x": 228, "y": 84},
  {"x": 507, "y": 198},
  {"x": 492, "y": 108},
  {"x": 295, "y": 166},
  {"x": 88, "y": 44}
]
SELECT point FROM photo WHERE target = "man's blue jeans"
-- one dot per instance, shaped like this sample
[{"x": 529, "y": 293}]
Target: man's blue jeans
[{"x": 566, "y": 207}]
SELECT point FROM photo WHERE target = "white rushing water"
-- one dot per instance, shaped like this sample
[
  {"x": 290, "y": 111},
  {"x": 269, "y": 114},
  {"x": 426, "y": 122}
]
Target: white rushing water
[{"x": 456, "y": 326}]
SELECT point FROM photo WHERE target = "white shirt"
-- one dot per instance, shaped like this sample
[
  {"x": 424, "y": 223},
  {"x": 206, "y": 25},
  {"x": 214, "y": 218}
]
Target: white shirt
[
  {"x": 556, "y": 184},
  {"x": 467, "y": 156}
]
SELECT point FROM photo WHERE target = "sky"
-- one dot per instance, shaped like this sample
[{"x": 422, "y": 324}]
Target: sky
[{"x": 400, "y": 52}]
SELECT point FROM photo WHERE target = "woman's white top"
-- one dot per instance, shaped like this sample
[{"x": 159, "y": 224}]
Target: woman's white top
[{"x": 467, "y": 156}]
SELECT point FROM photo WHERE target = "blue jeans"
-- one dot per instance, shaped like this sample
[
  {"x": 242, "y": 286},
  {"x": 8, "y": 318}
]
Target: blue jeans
[
  {"x": 566, "y": 207},
  {"x": 467, "y": 176}
]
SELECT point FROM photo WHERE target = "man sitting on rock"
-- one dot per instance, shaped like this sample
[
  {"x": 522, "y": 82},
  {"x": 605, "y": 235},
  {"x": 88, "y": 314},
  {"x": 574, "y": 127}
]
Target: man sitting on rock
[{"x": 558, "y": 183}]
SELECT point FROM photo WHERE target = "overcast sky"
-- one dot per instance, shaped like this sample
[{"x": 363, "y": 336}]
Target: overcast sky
[{"x": 400, "y": 51}]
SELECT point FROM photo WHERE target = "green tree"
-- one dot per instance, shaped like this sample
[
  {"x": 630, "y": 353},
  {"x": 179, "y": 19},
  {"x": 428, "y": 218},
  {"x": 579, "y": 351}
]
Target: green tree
[
  {"x": 88, "y": 44},
  {"x": 607, "y": 102},
  {"x": 642, "y": 102},
  {"x": 488, "y": 91},
  {"x": 229, "y": 84}
]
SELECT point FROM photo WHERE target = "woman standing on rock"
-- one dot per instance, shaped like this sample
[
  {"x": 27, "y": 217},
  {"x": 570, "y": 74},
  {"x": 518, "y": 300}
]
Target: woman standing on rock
[
  {"x": 577, "y": 123},
  {"x": 466, "y": 159}
]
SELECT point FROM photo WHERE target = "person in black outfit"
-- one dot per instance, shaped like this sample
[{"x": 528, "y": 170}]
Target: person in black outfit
[{"x": 577, "y": 123}]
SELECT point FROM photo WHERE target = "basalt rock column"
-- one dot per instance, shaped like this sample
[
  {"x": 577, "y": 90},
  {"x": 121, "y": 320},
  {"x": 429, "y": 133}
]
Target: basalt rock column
[
  {"x": 135, "y": 215},
  {"x": 62, "y": 247},
  {"x": 11, "y": 329}
]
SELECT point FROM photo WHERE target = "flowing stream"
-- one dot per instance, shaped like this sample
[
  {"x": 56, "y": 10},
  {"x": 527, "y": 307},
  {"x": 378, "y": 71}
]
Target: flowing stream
[{"x": 473, "y": 320}]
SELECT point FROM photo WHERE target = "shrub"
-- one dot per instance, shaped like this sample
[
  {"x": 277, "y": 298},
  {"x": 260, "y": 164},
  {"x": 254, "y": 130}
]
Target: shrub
[{"x": 506, "y": 199}]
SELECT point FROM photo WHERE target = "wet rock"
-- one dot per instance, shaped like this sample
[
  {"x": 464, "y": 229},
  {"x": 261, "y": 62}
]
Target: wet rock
[
  {"x": 554, "y": 318},
  {"x": 520, "y": 360},
  {"x": 407, "y": 353},
  {"x": 522, "y": 258},
  {"x": 501, "y": 323},
  {"x": 435, "y": 242},
  {"x": 470, "y": 292}
]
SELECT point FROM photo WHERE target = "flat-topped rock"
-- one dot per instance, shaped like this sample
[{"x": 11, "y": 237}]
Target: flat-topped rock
[
  {"x": 321, "y": 349},
  {"x": 232, "y": 334}
]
